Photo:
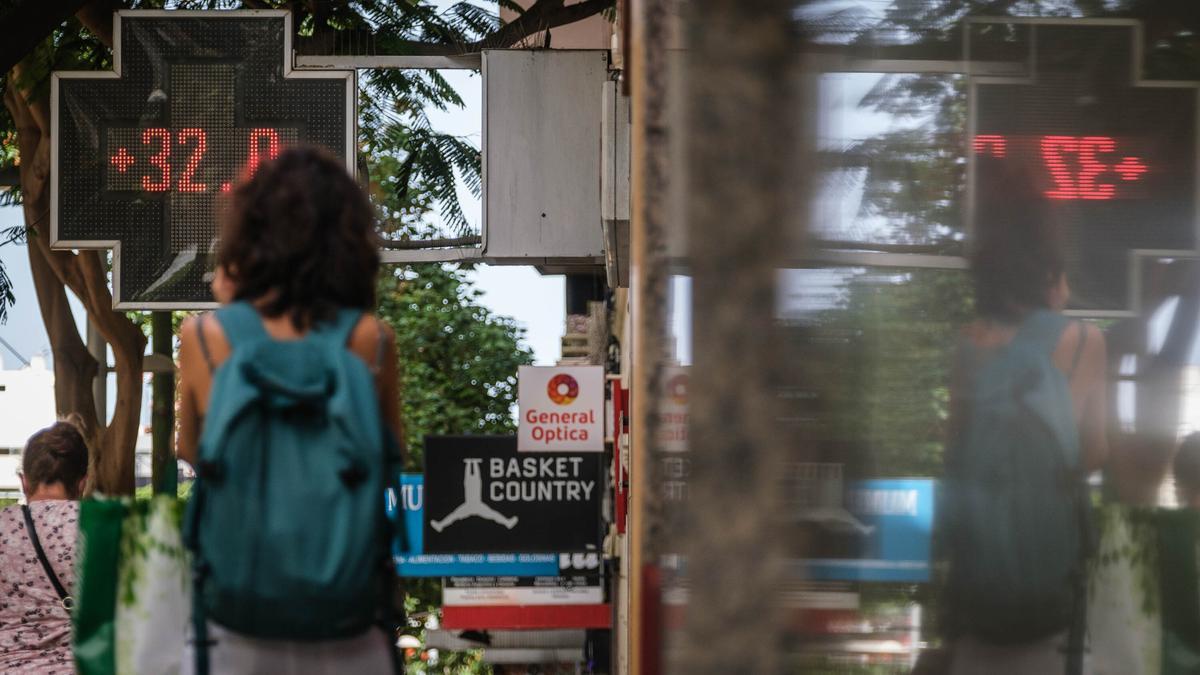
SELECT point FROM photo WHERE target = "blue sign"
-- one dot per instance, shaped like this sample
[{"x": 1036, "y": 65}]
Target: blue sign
[
  {"x": 411, "y": 561},
  {"x": 892, "y": 537}
]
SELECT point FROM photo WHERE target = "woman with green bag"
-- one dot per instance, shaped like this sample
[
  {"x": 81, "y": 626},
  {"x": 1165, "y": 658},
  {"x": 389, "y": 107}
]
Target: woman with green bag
[{"x": 37, "y": 554}]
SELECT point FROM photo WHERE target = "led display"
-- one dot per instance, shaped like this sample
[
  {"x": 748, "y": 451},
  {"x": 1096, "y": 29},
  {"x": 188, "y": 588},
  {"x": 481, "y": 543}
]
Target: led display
[
  {"x": 146, "y": 155},
  {"x": 1082, "y": 144}
]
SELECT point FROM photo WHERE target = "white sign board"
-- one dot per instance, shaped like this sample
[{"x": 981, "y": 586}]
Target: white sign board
[
  {"x": 562, "y": 409},
  {"x": 508, "y": 591}
]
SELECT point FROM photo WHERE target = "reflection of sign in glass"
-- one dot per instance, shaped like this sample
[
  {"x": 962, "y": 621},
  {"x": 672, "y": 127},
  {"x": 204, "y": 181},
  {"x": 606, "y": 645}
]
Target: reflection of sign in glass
[
  {"x": 1084, "y": 144},
  {"x": 142, "y": 154},
  {"x": 1075, "y": 167},
  {"x": 895, "y": 543}
]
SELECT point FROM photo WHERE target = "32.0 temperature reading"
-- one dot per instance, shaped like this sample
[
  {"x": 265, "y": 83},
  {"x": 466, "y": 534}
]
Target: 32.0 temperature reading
[
  {"x": 171, "y": 159},
  {"x": 1078, "y": 167}
]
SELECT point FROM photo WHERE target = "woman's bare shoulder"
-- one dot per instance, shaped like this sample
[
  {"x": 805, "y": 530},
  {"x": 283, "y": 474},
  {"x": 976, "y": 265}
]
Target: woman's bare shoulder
[
  {"x": 371, "y": 338},
  {"x": 192, "y": 345}
]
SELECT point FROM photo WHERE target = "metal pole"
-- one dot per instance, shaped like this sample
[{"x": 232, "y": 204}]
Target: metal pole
[
  {"x": 98, "y": 348},
  {"x": 163, "y": 466}
]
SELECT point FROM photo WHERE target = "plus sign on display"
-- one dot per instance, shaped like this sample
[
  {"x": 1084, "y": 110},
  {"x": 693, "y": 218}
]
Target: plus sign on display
[
  {"x": 1082, "y": 143},
  {"x": 144, "y": 156}
]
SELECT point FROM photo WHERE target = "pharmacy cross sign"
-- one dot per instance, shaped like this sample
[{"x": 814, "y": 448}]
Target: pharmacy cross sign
[
  {"x": 144, "y": 156},
  {"x": 1082, "y": 143}
]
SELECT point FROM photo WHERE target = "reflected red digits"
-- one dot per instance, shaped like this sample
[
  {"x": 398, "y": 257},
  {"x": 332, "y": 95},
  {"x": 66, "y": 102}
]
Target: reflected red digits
[
  {"x": 1090, "y": 167},
  {"x": 1053, "y": 148}
]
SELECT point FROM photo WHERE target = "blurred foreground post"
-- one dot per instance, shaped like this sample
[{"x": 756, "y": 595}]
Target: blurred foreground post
[{"x": 740, "y": 139}]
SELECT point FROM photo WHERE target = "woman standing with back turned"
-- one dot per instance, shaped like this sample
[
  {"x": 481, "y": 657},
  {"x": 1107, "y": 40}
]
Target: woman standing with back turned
[
  {"x": 1027, "y": 425},
  {"x": 297, "y": 252},
  {"x": 37, "y": 554}
]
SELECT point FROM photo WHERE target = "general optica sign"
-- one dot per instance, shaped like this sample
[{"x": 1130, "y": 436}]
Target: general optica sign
[{"x": 562, "y": 409}]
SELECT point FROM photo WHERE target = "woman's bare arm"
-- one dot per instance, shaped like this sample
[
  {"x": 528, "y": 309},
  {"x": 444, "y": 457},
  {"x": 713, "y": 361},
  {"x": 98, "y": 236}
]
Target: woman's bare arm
[
  {"x": 389, "y": 384},
  {"x": 190, "y": 360},
  {"x": 1093, "y": 424}
]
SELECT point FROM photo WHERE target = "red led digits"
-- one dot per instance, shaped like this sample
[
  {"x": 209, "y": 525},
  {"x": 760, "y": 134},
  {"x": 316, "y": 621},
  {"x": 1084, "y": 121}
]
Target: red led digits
[
  {"x": 1053, "y": 148},
  {"x": 161, "y": 160},
  {"x": 1076, "y": 164},
  {"x": 996, "y": 144},
  {"x": 1090, "y": 167},
  {"x": 257, "y": 136},
  {"x": 201, "y": 145},
  {"x": 1130, "y": 168},
  {"x": 262, "y": 144},
  {"x": 122, "y": 160}
]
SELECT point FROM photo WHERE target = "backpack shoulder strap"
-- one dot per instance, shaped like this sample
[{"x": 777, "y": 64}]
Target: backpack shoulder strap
[
  {"x": 31, "y": 529},
  {"x": 204, "y": 350},
  {"x": 1042, "y": 329},
  {"x": 241, "y": 323},
  {"x": 338, "y": 331},
  {"x": 1078, "y": 349}
]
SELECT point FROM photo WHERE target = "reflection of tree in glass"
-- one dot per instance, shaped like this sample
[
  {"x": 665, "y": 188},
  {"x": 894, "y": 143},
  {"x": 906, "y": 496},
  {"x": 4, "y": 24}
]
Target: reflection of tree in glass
[
  {"x": 914, "y": 175},
  {"x": 874, "y": 371}
]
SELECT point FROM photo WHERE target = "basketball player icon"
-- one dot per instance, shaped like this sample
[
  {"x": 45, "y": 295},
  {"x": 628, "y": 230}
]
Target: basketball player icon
[{"x": 472, "y": 501}]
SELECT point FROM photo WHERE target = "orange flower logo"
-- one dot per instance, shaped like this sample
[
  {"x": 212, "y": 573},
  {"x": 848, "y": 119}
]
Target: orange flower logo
[
  {"x": 562, "y": 389},
  {"x": 677, "y": 389}
]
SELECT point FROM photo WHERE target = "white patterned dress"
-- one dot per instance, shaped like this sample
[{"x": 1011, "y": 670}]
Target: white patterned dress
[{"x": 35, "y": 629}]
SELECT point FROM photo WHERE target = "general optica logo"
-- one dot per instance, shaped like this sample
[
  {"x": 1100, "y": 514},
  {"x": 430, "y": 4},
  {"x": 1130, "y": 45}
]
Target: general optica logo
[
  {"x": 677, "y": 389},
  {"x": 562, "y": 389}
]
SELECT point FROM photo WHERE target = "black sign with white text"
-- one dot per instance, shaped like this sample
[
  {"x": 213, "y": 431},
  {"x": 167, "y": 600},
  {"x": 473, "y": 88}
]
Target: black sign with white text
[{"x": 483, "y": 497}]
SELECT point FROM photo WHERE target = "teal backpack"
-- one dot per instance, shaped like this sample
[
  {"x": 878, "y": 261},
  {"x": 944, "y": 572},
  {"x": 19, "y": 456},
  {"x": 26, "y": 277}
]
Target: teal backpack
[
  {"x": 287, "y": 520},
  {"x": 1016, "y": 505}
]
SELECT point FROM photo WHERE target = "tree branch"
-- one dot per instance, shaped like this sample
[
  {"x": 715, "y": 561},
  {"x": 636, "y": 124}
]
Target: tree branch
[
  {"x": 543, "y": 15},
  {"x": 36, "y": 111},
  {"x": 31, "y": 21},
  {"x": 97, "y": 17}
]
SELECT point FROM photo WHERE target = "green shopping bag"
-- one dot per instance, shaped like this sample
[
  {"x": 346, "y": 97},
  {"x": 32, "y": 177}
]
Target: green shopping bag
[
  {"x": 93, "y": 619},
  {"x": 134, "y": 603},
  {"x": 1144, "y": 600}
]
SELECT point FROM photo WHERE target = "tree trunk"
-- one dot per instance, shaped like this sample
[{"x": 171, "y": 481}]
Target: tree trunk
[{"x": 84, "y": 273}]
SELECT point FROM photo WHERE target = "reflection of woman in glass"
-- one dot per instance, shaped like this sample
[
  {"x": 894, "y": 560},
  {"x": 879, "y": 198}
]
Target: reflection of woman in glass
[{"x": 1021, "y": 290}]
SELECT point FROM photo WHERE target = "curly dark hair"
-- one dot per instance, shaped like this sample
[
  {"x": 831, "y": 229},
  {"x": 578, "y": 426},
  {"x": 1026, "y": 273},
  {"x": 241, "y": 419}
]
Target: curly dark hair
[
  {"x": 1016, "y": 264},
  {"x": 299, "y": 239},
  {"x": 56, "y": 454}
]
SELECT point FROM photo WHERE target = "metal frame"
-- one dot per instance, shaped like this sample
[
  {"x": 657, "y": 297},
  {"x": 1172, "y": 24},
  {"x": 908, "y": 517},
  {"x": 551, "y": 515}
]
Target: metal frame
[
  {"x": 288, "y": 73},
  {"x": 431, "y": 255},
  {"x": 1133, "y": 301},
  {"x": 448, "y": 62},
  {"x": 827, "y": 64},
  {"x": 416, "y": 62}
]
